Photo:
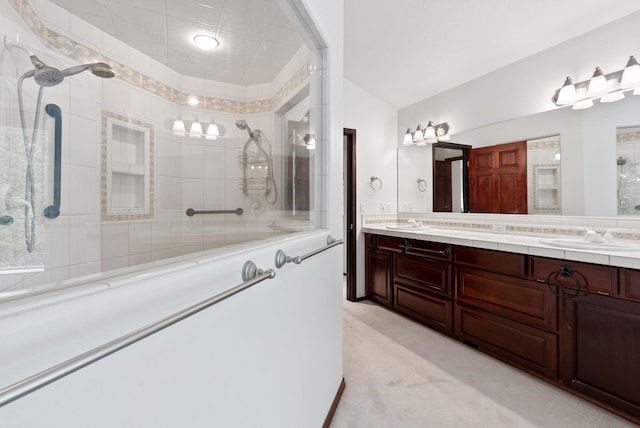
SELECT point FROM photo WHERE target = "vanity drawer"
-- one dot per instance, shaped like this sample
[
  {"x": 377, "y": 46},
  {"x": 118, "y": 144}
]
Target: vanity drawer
[
  {"x": 523, "y": 346},
  {"x": 592, "y": 278},
  {"x": 422, "y": 273},
  {"x": 518, "y": 299},
  {"x": 389, "y": 243},
  {"x": 431, "y": 310},
  {"x": 495, "y": 261},
  {"x": 432, "y": 250}
]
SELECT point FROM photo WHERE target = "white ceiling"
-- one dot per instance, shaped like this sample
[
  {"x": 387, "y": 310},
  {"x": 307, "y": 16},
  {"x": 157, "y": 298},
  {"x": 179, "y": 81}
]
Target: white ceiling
[
  {"x": 256, "y": 39},
  {"x": 404, "y": 51}
]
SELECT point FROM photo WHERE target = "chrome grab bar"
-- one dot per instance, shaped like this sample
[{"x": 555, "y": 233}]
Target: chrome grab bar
[
  {"x": 192, "y": 212},
  {"x": 45, "y": 377},
  {"x": 282, "y": 259}
]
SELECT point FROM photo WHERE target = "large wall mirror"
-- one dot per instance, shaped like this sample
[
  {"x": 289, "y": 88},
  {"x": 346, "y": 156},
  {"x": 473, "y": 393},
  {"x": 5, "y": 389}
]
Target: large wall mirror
[{"x": 579, "y": 162}]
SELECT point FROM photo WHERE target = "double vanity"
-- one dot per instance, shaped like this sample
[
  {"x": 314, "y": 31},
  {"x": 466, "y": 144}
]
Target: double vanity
[{"x": 560, "y": 305}]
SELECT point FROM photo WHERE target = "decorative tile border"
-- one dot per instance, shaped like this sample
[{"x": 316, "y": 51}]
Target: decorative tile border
[{"x": 73, "y": 49}]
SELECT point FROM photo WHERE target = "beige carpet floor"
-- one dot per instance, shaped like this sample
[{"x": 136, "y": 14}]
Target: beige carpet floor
[{"x": 401, "y": 374}]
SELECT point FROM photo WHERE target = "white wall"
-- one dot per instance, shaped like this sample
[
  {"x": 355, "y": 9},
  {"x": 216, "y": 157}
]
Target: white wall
[{"x": 375, "y": 123}]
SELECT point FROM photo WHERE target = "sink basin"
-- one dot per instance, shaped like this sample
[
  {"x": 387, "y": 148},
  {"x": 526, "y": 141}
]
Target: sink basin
[
  {"x": 583, "y": 244},
  {"x": 406, "y": 227}
]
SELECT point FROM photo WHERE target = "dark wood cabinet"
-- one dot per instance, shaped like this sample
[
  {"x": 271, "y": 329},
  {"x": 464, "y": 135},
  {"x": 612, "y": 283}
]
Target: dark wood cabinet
[
  {"x": 601, "y": 350},
  {"x": 574, "y": 324},
  {"x": 422, "y": 283},
  {"x": 523, "y": 346},
  {"x": 379, "y": 276}
]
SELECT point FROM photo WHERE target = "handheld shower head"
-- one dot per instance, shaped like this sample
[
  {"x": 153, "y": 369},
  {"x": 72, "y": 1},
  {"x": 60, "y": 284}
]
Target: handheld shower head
[
  {"x": 99, "y": 69},
  {"x": 622, "y": 160},
  {"x": 242, "y": 124}
]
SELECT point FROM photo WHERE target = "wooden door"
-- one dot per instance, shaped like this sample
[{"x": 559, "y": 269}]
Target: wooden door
[
  {"x": 498, "y": 179},
  {"x": 442, "y": 195}
]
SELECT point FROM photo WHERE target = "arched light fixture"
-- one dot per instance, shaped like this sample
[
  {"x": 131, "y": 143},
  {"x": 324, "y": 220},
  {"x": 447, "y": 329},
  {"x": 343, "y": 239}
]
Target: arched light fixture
[{"x": 205, "y": 41}]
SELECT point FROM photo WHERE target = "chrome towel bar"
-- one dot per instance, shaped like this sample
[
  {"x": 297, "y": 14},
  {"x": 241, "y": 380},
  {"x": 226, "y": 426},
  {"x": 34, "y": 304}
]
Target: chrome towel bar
[
  {"x": 45, "y": 377},
  {"x": 282, "y": 258},
  {"x": 192, "y": 212}
]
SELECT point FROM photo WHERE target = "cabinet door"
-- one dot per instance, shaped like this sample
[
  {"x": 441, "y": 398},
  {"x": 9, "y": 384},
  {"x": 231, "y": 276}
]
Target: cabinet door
[
  {"x": 601, "y": 350},
  {"x": 379, "y": 276}
]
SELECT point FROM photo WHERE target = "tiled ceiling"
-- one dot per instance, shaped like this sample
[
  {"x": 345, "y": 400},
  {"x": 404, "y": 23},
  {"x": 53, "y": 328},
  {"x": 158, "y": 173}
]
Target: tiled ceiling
[{"x": 256, "y": 38}]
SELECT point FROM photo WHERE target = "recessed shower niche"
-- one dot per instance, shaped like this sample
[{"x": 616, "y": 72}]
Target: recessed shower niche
[{"x": 127, "y": 157}]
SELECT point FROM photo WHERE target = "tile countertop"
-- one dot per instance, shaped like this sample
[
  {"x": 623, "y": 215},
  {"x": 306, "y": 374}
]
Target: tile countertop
[{"x": 523, "y": 244}]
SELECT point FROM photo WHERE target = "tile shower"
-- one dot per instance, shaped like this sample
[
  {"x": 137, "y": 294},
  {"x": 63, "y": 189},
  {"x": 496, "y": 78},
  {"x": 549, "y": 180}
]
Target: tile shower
[{"x": 181, "y": 172}]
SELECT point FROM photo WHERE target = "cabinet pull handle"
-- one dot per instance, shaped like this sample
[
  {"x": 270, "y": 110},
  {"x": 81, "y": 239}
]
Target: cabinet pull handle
[
  {"x": 603, "y": 293},
  {"x": 565, "y": 271},
  {"x": 406, "y": 247}
]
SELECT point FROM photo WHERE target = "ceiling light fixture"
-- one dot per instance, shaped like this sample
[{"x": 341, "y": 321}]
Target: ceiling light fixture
[
  {"x": 206, "y": 42},
  {"x": 606, "y": 87}
]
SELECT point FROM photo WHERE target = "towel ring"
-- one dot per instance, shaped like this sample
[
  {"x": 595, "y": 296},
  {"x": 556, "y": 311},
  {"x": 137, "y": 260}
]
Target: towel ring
[
  {"x": 376, "y": 183},
  {"x": 422, "y": 185}
]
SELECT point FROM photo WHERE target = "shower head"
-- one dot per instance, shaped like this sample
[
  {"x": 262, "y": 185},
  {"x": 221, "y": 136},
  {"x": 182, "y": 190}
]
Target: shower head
[
  {"x": 622, "y": 160},
  {"x": 242, "y": 124},
  {"x": 45, "y": 75}
]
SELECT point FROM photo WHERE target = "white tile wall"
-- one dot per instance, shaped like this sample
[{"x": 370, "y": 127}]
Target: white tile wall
[{"x": 190, "y": 173}]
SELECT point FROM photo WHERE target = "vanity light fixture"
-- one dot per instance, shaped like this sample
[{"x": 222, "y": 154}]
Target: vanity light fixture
[
  {"x": 606, "y": 87},
  {"x": 408, "y": 138},
  {"x": 178, "y": 127},
  {"x": 431, "y": 134},
  {"x": 205, "y": 41},
  {"x": 418, "y": 134},
  {"x": 597, "y": 83},
  {"x": 631, "y": 75},
  {"x": 567, "y": 93},
  {"x": 212, "y": 132},
  {"x": 196, "y": 127}
]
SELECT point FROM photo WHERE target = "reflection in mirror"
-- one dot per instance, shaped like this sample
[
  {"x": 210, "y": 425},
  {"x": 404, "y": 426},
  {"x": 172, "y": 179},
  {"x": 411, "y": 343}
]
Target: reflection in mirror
[
  {"x": 628, "y": 170},
  {"x": 450, "y": 178},
  {"x": 589, "y": 180},
  {"x": 414, "y": 163},
  {"x": 543, "y": 176}
]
